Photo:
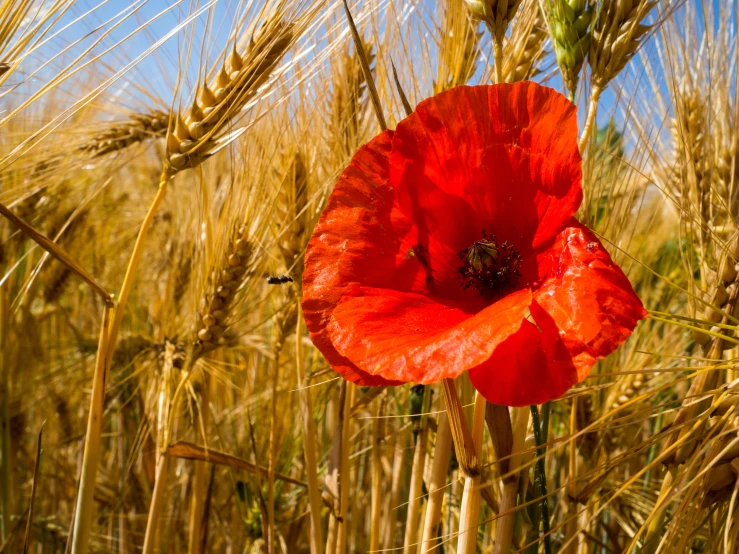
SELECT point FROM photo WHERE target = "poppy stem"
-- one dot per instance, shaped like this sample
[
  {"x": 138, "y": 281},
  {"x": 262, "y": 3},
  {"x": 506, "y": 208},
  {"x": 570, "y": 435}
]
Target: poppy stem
[
  {"x": 546, "y": 409},
  {"x": 540, "y": 476}
]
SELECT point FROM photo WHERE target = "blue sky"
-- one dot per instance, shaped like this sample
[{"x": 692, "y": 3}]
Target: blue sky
[{"x": 133, "y": 26}]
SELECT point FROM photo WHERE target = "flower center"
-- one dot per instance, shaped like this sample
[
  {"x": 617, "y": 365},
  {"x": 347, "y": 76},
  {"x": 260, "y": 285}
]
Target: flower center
[{"x": 487, "y": 265}]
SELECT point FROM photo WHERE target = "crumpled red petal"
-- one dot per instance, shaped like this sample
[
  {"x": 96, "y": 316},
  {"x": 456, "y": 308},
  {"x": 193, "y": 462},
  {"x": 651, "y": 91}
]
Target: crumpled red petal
[
  {"x": 587, "y": 297},
  {"x": 412, "y": 337},
  {"x": 584, "y": 310},
  {"x": 503, "y": 158}
]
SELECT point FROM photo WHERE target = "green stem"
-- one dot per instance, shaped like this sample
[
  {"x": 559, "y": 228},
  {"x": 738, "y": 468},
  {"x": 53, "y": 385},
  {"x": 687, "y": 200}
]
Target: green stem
[
  {"x": 546, "y": 409},
  {"x": 541, "y": 477}
]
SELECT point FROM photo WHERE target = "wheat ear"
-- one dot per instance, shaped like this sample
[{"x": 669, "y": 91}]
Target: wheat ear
[
  {"x": 525, "y": 48},
  {"x": 197, "y": 130},
  {"x": 570, "y": 25},
  {"x": 617, "y": 35},
  {"x": 121, "y": 135},
  {"x": 225, "y": 281},
  {"x": 459, "y": 47}
]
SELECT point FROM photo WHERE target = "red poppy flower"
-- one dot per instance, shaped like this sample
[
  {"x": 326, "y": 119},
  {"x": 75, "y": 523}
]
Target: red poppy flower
[{"x": 450, "y": 245}]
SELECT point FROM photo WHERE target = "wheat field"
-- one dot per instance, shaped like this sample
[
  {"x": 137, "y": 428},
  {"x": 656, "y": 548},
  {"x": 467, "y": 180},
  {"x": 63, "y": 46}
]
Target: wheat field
[{"x": 162, "y": 167}]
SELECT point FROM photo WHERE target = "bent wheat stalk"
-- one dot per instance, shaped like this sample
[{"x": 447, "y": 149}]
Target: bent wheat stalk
[{"x": 437, "y": 483}]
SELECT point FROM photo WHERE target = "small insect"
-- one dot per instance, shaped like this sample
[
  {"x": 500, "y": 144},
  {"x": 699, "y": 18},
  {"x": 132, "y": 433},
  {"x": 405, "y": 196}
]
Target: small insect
[{"x": 279, "y": 280}]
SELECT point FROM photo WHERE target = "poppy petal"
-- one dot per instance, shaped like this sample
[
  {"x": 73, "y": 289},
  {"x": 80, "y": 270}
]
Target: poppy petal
[
  {"x": 503, "y": 158},
  {"x": 587, "y": 298},
  {"x": 351, "y": 228},
  {"x": 584, "y": 310},
  {"x": 413, "y": 337},
  {"x": 530, "y": 367}
]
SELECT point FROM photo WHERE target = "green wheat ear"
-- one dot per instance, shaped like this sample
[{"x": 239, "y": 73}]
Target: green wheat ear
[{"x": 570, "y": 24}]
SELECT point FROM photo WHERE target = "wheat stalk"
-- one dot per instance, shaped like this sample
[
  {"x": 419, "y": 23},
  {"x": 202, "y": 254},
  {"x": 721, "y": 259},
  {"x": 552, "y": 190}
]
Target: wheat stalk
[{"x": 497, "y": 15}]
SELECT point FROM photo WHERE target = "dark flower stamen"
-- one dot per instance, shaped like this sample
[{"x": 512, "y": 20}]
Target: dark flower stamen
[{"x": 488, "y": 265}]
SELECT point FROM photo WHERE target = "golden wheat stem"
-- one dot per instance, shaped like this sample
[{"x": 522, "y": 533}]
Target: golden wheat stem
[
  {"x": 165, "y": 409},
  {"x": 111, "y": 326},
  {"x": 122, "y": 515},
  {"x": 376, "y": 498},
  {"x": 498, "y": 59},
  {"x": 333, "y": 476},
  {"x": 91, "y": 455},
  {"x": 656, "y": 526},
  {"x": 410, "y": 542},
  {"x": 310, "y": 447},
  {"x": 590, "y": 118},
  {"x": 392, "y": 515},
  {"x": 155, "y": 507},
  {"x": 345, "y": 475},
  {"x": 5, "y": 482},
  {"x": 198, "y": 485},
  {"x": 470, "y": 507},
  {"x": 272, "y": 455},
  {"x": 414, "y": 492},
  {"x": 571, "y": 526},
  {"x": 138, "y": 250},
  {"x": 437, "y": 483},
  {"x": 504, "y": 532},
  {"x": 331, "y": 535}
]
